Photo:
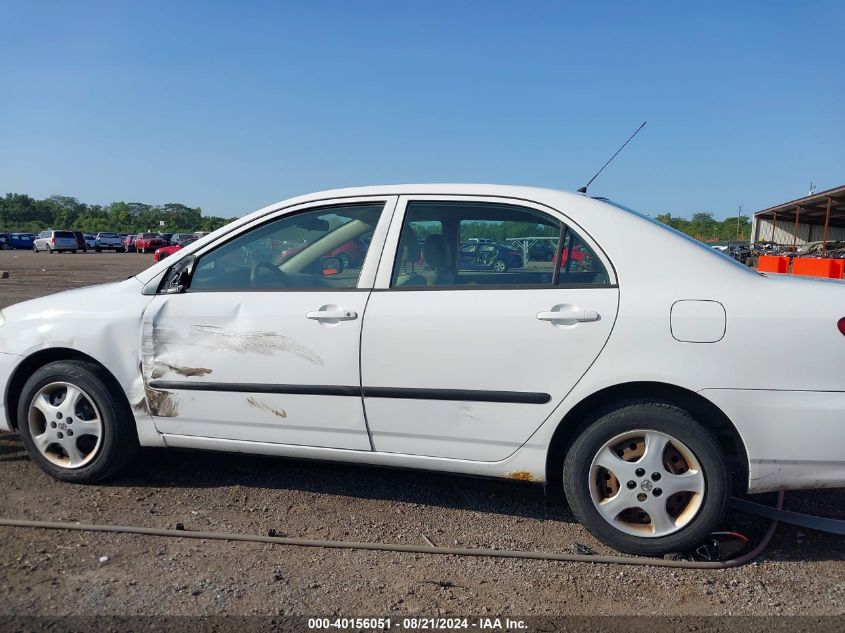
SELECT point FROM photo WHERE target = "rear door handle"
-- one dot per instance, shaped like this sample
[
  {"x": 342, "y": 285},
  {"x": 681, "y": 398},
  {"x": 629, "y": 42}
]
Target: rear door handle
[
  {"x": 578, "y": 316},
  {"x": 332, "y": 315}
]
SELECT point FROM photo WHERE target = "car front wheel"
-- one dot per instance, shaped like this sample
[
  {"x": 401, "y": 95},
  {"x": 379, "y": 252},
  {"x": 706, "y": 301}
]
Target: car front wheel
[
  {"x": 72, "y": 424},
  {"x": 500, "y": 266},
  {"x": 646, "y": 479}
]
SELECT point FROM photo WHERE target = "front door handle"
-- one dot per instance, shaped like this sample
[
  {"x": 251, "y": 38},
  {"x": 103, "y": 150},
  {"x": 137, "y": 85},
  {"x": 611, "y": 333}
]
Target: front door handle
[
  {"x": 577, "y": 316},
  {"x": 333, "y": 315}
]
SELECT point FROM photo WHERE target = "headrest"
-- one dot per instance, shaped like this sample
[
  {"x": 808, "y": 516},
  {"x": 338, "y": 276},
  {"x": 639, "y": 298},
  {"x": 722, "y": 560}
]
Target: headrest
[
  {"x": 409, "y": 248},
  {"x": 436, "y": 252}
]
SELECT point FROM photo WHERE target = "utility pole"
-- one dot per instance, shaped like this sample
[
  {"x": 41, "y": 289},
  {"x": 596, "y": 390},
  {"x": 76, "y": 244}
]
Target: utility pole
[{"x": 738, "y": 220}]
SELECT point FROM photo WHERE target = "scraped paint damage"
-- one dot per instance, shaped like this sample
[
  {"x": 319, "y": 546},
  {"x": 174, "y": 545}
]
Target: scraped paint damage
[
  {"x": 254, "y": 402},
  {"x": 189, "y": 371},
  {"x": 171, "y": 346},
  {"x": 163, "y": 404}
]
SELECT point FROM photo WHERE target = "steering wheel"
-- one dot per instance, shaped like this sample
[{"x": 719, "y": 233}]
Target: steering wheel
[{"x": 253, "y": 273}]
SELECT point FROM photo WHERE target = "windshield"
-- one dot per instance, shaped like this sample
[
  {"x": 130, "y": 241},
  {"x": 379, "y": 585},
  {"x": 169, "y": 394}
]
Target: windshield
[{"x": 704, "y": 247}]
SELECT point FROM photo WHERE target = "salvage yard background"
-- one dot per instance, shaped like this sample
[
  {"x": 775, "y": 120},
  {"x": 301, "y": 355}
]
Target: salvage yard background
[{"x": 54, "y": 572}]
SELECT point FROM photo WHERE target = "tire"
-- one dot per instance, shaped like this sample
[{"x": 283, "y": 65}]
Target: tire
[
  {"x": 4, "y": 246},
  {"x": 49, "y": 250},
  {"x": 34, "y": 249},
  {"x": 101, "y": 454},
  {"x": 500, "y": 266},
  {"x": 344, "y": 260},
  {"x": 97, "y": 249},
  {"x": 683, "y": 519}
]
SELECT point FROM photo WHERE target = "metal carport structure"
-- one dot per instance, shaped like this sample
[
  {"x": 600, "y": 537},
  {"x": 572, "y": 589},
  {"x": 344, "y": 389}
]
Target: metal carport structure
[{"x": 818, "y": 217}]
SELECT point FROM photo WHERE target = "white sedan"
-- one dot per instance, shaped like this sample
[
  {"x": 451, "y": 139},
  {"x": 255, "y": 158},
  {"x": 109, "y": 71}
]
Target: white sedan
[{"x": 649, "y": 382}]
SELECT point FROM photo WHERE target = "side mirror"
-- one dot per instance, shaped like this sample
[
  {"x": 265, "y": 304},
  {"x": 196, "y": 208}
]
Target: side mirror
[
  {"x": 331, "y": 266},
  {"x": 177, "y": 278}
]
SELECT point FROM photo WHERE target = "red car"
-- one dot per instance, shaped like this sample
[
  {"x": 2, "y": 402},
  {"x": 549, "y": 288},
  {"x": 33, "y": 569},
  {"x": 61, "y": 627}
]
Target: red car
[
  {"x": 146, "y": 242},
  {"x": 166, "y": 251},
  {"x": 578, "y": 254},
  {"x": 351, "y": 253}
]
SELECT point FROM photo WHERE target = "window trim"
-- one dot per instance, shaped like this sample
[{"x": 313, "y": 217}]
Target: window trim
[
  {"x": 384, "y": 276},
  {"x": 368, "y": 269}
]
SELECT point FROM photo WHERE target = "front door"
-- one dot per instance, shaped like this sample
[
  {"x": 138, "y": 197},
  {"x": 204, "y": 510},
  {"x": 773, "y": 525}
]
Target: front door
[
  {"x": 263, "y": 346},
  {"x": 470, "y": 370}
]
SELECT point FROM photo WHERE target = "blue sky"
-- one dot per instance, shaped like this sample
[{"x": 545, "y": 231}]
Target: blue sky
[{"x": 231, "y": 106}]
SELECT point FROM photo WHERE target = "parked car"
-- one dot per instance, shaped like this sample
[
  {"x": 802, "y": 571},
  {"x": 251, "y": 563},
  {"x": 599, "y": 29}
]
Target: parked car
[
  {"x": 350, "y": 253},
  {"x": 578, "y": 254},
  {"x": 481, "y": 255},
  {"x": 109, "y": 242},
  {"x": 55, "y": 242},
  {"x": 166, "y": 251},
  {"x": 90, "y": 240},
  {"x": 542, "y": 251},
  {"x": 650, "y": 420},
  {"x": 21, "y": 240},
  {"x": 148, "y": 242},
  {"x": 129, "y": 243}
]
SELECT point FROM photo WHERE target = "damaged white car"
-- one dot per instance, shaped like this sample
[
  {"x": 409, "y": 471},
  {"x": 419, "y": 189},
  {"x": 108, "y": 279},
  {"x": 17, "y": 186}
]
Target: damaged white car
[{"x": 487, "y": 330}]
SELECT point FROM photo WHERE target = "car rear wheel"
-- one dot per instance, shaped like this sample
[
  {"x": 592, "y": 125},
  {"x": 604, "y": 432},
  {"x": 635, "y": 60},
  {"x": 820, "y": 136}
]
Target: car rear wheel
[
  {"x": 500, "y": 266},
  {"x": 345, "y": 261},
  {"x": 72, "y": 424},
  {"x": 647, "y": 479}
]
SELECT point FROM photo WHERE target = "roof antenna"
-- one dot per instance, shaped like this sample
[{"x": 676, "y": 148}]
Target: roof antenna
[{"x": 584, "y": 188}]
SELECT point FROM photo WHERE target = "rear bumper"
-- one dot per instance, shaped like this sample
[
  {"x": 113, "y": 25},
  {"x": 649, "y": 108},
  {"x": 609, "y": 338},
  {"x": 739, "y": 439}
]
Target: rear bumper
[{"x": 794, "y": 439}]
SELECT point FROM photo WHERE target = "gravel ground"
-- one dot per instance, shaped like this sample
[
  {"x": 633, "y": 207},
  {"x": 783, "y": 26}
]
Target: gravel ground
[{"x": 60, "y": 573}]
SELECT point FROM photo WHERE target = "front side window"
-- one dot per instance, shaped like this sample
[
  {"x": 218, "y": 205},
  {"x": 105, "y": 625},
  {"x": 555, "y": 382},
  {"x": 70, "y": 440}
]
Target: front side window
[
  {"x": 321, "y": 248},
  {"x": 478, "y": 244}
]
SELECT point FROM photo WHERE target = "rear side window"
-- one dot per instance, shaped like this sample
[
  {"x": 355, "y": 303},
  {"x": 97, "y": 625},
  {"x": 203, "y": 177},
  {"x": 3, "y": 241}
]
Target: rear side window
[
  {"x": 481, "y": 244},
  {"x": 65, "y": 234}
]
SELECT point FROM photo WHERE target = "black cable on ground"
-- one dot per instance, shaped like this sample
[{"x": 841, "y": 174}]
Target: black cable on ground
[{"x": 414, "y": 549}]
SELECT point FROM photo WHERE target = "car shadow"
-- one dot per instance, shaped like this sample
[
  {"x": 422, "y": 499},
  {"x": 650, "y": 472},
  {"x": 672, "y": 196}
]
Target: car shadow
[
  {"x": 163, "y": 468},
  {"x": 172, "y": 468},
  {"x": 166, "y": 467}
]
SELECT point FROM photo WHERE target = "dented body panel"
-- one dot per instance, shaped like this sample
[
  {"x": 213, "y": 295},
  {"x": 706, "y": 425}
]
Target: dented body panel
[{"x": 238, "y": 341}]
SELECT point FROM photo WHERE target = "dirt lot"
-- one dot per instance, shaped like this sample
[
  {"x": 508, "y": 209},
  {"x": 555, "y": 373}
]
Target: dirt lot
[{"x": 54, "y": 572}]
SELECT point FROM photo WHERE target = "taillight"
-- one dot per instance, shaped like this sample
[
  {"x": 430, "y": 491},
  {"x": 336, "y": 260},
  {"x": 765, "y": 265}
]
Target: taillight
[
  {"x": 841, "y": 325},
  {"x": 53, "y": 241}
]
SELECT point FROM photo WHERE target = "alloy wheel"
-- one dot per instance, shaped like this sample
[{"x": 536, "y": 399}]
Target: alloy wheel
[
  {"x": 65, "y": 425},
  {"x": 646, "y": 483}
]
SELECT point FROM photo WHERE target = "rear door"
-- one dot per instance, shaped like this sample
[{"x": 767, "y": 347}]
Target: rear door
[{"x": 470, "y": 370}]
